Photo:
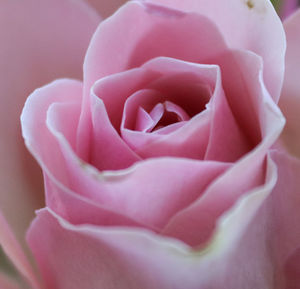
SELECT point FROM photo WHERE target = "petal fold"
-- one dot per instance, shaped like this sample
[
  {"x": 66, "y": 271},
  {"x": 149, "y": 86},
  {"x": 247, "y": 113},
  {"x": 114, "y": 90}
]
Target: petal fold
[{"x": 259, "y": 30}]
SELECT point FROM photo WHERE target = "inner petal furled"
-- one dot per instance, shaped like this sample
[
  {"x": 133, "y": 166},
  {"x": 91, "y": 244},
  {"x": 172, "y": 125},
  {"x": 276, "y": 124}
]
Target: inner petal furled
[
  {"x": 169, "y": 117},
  {"x": 162, "y": 115}
]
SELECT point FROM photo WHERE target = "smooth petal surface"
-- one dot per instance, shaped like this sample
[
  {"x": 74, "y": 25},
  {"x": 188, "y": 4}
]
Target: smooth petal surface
[
  {"x": 190, "y": 86},
  {"x": 290, "y": 97},
  {"x": 282, "y": 217},
  {"x": 125, "y": 191},
  {"x": 253, "y": 26},
  {"x": 40, "y": 41},
  {"x": 249, "y": 171},
  {"x": 52, "y": 142},
  {"x": 41, "y": 122},
  {"x": 144, "y": 32},
  {"x": 136, "y": 258}
]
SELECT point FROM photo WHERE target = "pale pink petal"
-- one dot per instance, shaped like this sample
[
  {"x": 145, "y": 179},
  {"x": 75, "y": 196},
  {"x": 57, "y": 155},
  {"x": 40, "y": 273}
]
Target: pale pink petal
[
  {"x": 290, "y": 97},
  {"x": 125, "y": 192},
  {"x": 254, "y": 25},
  {"x": 46, "y": 129},
  {"x": 37, "y": 136},
  {"x": 52, "y": 142},
  {"x": 144, "y": 32},
  {"x": 278, "y": 223},
  {"x": 246, "y": 173},
  {"x": 136, "y": 258},
  {"x": 106, "y": 7},
  {"x": 177, "y": 110},
  {"x": 40, "y": 41},
  {"x": 190, "y": 86},
  {"x": 145, "y": 121},
  {"x": 170, "y": 33},
  {"x": 176, "y": 80},
  {"x": 108, "y": 149},
  {"x": 79, "y": 209},
  {"x": 244, "y": 96}
]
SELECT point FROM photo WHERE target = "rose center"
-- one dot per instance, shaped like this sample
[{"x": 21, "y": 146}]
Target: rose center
[{"x": 161, "y": 115}]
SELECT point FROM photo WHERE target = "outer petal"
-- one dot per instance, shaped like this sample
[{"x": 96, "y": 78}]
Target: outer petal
[
  {"x": 290, "y": 98},
  {"x": 282, "y": 219},
  {"x": 40, "y": 41},
  {"x": 254, "y": 25},
  {"x": 255, "y": 245},
  {"x": 135, "y": 258}
]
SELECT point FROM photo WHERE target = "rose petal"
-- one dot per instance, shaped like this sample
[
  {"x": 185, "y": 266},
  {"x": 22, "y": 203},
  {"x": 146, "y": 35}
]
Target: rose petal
[
  {"x": 109, "y": 151},
  {"x": 181, "y": 82},
  {"x": 125, "y": 191},
  {"x": 251, "y": 15},
  {"x": 40, "y": 41},
  {"x": 43, "y": 122},
  {"x": 111, "y": 190},
  {"x": 38, "y": 138},
  {"x": 290, "y": 97},
  {"x": 143, "y": 32},
  {"x": 129, "y": 258},
  {"x": 282, "y": 219},
  {"x": 244, "y": 96},
  {"x": 145, "y": 121},
  {"x": 51, "y": 140},
  {"x": 79, "y": 209},
  {"x": 246, "y": 173}
]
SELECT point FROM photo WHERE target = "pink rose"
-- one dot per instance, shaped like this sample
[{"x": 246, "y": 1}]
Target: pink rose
[{"x": 166, "y": 167}]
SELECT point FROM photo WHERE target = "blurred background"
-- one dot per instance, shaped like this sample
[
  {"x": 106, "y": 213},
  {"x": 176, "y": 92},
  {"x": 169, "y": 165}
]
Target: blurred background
[{"x": 285, "y": 7}]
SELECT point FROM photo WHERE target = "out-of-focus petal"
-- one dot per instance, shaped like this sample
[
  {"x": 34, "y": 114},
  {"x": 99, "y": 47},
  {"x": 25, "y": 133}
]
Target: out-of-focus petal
[
  {"x": 282, "y": 218},
  {"x": 290, "y": 97},
  {"x": 15, "y": 253},
  {"x": 40, "y": 41}
]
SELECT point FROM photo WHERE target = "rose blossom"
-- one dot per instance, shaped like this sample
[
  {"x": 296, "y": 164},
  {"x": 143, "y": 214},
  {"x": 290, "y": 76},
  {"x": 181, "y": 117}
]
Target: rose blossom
[{"x": 162, "y": 168}]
